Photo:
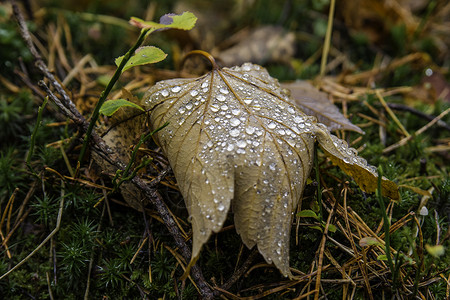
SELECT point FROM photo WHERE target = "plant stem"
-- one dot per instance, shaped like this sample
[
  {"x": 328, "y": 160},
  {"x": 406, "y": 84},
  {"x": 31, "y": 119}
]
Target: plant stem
[
  {"x": 142, "y": 140},
  {"x": 326, "y": 45},
  {"x": 33, "y": 135},
  {"x": 108, "y": 89},
  {"x": 319, "y": 192}
]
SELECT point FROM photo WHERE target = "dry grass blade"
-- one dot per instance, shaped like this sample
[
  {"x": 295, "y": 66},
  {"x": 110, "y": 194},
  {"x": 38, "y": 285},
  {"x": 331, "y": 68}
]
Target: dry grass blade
[
  {"x": 55, "y": 230},
  {"x": 405, "y": 140}
]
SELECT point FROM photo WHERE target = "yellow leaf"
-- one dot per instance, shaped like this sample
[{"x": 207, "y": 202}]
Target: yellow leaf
[
  {"x": 349, "y": 161},
  {"x": 235, "y": 138}
]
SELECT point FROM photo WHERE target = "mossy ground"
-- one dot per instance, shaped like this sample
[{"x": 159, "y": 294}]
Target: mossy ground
[{"x": 102, "y": 248}]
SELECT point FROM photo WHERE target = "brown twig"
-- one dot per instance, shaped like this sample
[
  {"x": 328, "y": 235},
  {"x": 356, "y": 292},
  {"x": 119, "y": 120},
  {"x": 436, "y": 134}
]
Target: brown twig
[
  {"x": 64, "y": 102},
  {"x": 401, "y": 107}
]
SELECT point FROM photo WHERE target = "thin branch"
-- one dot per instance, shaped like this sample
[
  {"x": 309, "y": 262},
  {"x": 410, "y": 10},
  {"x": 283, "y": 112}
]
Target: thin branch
[{"x": 401, "y": 107}]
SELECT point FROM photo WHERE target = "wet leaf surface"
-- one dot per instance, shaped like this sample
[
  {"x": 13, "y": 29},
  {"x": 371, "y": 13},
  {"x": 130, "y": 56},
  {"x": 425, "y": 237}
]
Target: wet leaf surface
[{"x": 235, "y": 139}]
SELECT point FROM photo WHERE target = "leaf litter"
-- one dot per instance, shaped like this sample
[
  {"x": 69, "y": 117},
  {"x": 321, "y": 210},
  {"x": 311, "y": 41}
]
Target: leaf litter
[{"x": 236, "y": 139}]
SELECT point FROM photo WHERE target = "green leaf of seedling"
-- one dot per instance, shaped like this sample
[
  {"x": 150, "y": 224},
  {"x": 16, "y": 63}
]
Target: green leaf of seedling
[
  {"x": 435, "y": 250},
  {"x": 185, "y": 21},
  {"x": 317, "y": 227},
  {"x": 382, "y": 257},
  {"x": 142, "y": 56},
  {"x": 331, "y": 228},
  {"x": 103, "y": 79},
  {"x": 307, "y": 213},
  {"x": 110, "y": 107}
]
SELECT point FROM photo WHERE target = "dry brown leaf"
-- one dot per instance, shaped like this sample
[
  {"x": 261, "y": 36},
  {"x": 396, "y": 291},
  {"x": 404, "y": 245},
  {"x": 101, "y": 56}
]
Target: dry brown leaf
[
  {"x": 315, "y": 103},
  {"x": 235, "y": 138}
]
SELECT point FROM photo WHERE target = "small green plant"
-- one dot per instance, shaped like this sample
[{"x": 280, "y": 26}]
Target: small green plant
[
  {"x": 136, "y": 56},
  {"x": 44, "y": 209},
  {"x": 11, "y": 175},
  {"x": 12, "y": 112},
  {"x": 74, "y": 257}
]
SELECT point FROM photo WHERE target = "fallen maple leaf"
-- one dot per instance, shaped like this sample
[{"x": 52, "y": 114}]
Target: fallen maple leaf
[{"x": 235, "y": 138}]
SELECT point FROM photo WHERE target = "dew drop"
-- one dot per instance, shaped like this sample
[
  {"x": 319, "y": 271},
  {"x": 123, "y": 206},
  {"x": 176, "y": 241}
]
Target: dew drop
[
  {"x": 194, "y": 93},
  {"x": 221, "y": 207},
  {"x": 246, "y": 68},
  {"x": 241, "y": 144},
  {"x": 291, "y": 110},
  {"x": 297, "y": 119},
  {"x": 223, "y": 90},
  {"x": 234, "y": 122},
  {"x": 165, "y": 93},
  {"x": 210, "y": 144},
  {"x": 220, "y": 97},
  {"x": 215, "y": 108},
  {"x": 272, "y": 125},
  {"x": 230, "y": 147},
  {"x": 301, "y": 125},
  {"x": 189, "y": 106},
  {"x": 205, "y": 84},
  {"x": 234, "y": 132},
  {"x": 176, "y": 89},
  {"x": 281, "y": 132},
  {"x": 236, "y": 111},
  {"x": 250, "y": 130},
  {"x": 224, "y": 107},
  {"x": 181, "y": 110},
  {"x": 272, "y": 166},
  {"x": 248, "y": 101}
]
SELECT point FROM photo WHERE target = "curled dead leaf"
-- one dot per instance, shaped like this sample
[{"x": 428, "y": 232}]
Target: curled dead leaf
[
  {"x": 315, "y": 103},
  {"x": 235, "y": 138}
]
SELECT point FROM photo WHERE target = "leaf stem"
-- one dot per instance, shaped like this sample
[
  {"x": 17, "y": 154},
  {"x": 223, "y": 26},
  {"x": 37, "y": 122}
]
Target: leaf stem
[
  {"x": 105, "y": 93},
  {"x": 205, "y": 54}
]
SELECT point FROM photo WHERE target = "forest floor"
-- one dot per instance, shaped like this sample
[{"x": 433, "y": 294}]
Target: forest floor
[{"x": 67, "y": 233}]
